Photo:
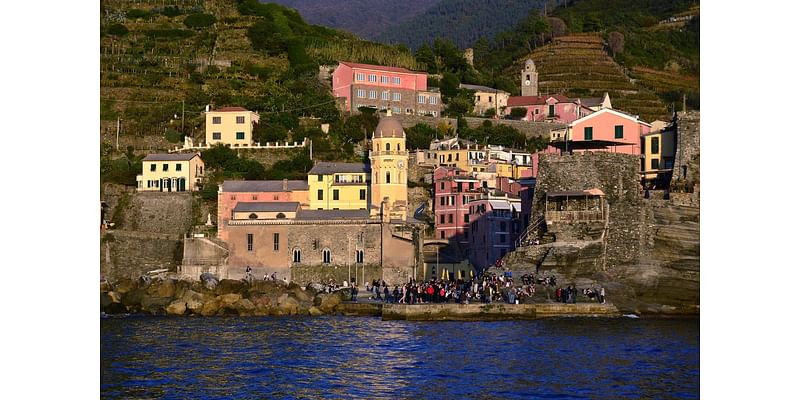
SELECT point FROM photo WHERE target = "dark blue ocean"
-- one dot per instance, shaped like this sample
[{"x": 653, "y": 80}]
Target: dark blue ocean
[{"x": 367, "y": 358}]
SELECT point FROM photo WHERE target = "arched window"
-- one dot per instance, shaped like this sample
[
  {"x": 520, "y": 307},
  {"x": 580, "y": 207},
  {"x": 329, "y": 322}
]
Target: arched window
[
  {"x": 326, "y": 256},
  {"x": 296, "y": 255},
  {"x": 253, "y": 216},
  {"x": 398, "y": 147},
  {"x": 388, "y": 177},
  {"x": 388, "y": 147},
  {"x": 359, "y": 256},
  {"x": 281, "y": 216}
]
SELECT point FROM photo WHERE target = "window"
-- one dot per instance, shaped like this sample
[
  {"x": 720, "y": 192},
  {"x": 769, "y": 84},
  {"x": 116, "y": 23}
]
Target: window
[
  {"x": 384, "y": 79},
  {"x": 618, "y": 132},
  {"x": 536, "y": 111},
  {"x": 373, "y": 94},
  {"x": 373, "y": 78},
  {"x": 326, "y": 256},
  {"x": 441, "y": 186},
  {"x": 359, "y": 256},
  {"x": 502, "y": 226},
  {"x": 319, "y": 178},
  {"x": 396, "y": 110},
  {"x": 296, "y": 255},
  {"x": 276, "y": 239},
  {"x": 449, "y": 218},
  {"x": 385, "y": 95},
  {"x": 152, "y": 167},
  {"x": 502, "y": 238},
  {"x": 249, "y": 242},
  {"x": 433, "y": 101},
  {"x": 319, "y": 194},
  {"x": 388, "y": 146},
  {"x": 420, "y": 99},
  {"x": 466, "y": 218},
  {"x": 239, "y": 135},
  {"x": 359, "y": 77},
  {"x": 233, "y": 197},
  {"x": 165, "y": 167},
  {"x": 654, "y": 145},
  {"x": 361, "y": 93},
  {"x": 253, "y": 216},
  {"x": 441, "y": 219},
  {"x": 216, "y": 120},
  {"x": 388, "y": 178},
  {"x": 396, "y": 96},
  {"x": 478, "y": 97},
  {"x": 587, "y": 133},
  {"x": 654, "y": 163},
  {"x": 240, "y": 119},
  {"x": 409, "y": 111},
  {"x": 490, "y": 99},
  {"x": 362, "y": 194},
  {"x": 551, "y": 110},
  {"x": 216, "y": 135},
  {"x": 336, "y": 194},
  {"x": 177, "y": 167},
  {"x": 280, "y": 216},
  {"x": 396, "y": 80}
]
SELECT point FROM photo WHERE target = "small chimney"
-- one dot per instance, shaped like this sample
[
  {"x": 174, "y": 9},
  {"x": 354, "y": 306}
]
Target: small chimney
[{"x": 285, "y": 185}]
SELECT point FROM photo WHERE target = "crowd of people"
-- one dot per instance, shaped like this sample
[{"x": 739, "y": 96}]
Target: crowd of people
[{"x": 486, "y": 289}]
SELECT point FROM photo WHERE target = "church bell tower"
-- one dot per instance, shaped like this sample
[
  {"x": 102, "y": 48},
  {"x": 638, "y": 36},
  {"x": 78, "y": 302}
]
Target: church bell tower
[
  {"x": 530, "y": 79},
  {"x": 389, "y": 181}
]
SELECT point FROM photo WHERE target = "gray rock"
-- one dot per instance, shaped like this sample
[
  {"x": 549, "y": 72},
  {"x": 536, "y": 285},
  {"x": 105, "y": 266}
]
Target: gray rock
[{"x": 209, "y": 281}]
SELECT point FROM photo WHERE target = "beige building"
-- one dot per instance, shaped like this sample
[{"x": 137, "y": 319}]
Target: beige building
[
  {"x": 171, "y": 173},
  {"x": 487, "y": 98},
  {"x": 231, "y": 126},
  {"x": 658, "y": 157}
]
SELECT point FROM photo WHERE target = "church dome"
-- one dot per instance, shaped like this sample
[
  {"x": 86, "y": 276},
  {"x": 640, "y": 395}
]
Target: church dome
[{"x": 389, "y": 127}]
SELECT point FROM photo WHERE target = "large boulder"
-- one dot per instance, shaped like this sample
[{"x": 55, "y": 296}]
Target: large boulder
[
  {"x": 262, "y": 306},
  {"x": 116, "y": 297},
  {"x": 133, "y": 298},
  {"x": 315, "y": 311},
  {"x": 302, "y": 295},
  {"x": 245, "y": 307},
  {"x": 210, "y": 308},
  {"x": 155, "y": 305},
  {"x": 166, "y": 288},
  {"x": 124, "y": 285},
  {"x": 227, "y": 286},
  {"x": 116, "y": 308},
  {"x": 229, "y": 299},
  {"x": 209, "y": 281},
  {"x": 287, "y": 305},
  {"x": 326, "y": 302},
  {"x": 105, "y": 286},
  {"x": 105, "y": 301},
  {"x": 177, "y": 307},
  {"x": 316, "y": 287}
]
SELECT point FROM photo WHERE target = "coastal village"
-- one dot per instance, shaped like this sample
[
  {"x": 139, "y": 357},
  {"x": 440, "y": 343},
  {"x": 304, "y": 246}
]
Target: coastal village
[{"x": 484, "y": 209}]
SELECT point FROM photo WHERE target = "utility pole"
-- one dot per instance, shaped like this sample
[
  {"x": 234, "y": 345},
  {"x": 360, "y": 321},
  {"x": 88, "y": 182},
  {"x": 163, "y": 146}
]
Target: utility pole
[{"x": 117, "y": 133}]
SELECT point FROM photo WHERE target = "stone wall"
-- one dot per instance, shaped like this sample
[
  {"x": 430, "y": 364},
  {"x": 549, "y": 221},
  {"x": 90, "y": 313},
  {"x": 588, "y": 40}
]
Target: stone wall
[
  {"x": 530, "y": 129},
  {"x": 126, "y": 254},
  {"x": 169, "y": 213},
  {"x": 687, "y": 152}
]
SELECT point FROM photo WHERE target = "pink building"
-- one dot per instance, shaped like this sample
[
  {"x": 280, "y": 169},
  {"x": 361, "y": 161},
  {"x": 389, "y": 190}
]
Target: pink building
[
  {"x": 555, "y": 108},
  {"x": 232, "y": 193},
  {"x": 453, "y": 190},
  {"x": 495, "y": 223},
  {"x": 605, "y": 130},
  {"x": 380, "y": 87}
]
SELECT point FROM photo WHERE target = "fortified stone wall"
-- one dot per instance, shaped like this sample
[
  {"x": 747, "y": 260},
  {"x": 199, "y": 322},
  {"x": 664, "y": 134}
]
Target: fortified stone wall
[
  {"x": 169, "y": 213},
  {"x": 125, "y": 254},
  {"x": 687, "y": 153}
]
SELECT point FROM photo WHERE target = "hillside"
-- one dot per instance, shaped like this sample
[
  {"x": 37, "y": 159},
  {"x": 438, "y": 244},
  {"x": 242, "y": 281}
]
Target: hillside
[
  {"x": 578, "y": 66},
  {"x": 364, "y": 18},
  {"x": 461, "y": 21}
]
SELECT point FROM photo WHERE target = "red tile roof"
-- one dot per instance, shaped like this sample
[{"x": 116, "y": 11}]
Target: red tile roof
[
  {"x": 379, "y": 67},
  {"x": 535, "y": 100},
  {"x": 231, "y": 109}
]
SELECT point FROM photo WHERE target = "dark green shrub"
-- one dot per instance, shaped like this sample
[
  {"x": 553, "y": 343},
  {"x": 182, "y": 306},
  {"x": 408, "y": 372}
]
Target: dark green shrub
[
  {"x": 138, "y": 14},
  {"x": 519, "y": 112},
  {"x": 195, "y": 21},
  {"x": 117, "y": 30}
]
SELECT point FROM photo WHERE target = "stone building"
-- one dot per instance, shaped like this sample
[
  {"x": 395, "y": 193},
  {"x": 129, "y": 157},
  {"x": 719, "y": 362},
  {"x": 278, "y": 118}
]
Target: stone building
[
  {"x": 487, "y": 98},
  {"x": 273, "y": 226}
]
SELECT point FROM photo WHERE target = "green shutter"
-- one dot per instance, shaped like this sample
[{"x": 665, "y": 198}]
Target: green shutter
[
  {"x": 618, "y": 132},
  {"x": 587, "y": 133}
]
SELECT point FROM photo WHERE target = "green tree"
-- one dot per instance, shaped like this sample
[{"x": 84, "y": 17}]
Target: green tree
[
  {"x": 519, "y": 112},
  {"x": 419, "y": 136},
  {"x": 196, "y": 21},
  {"x": 449, "y": 84}
]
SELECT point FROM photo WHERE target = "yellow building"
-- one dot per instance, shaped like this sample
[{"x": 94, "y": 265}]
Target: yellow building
[
  {"x": 487, "y": 98},
  {"x": 338, "y": 186},
  {"x": 658, "y": 156},
  {"x": 388, "y": 157},
  {"x": 171, "y": 173},
  {"x": 231, "y": 126}
]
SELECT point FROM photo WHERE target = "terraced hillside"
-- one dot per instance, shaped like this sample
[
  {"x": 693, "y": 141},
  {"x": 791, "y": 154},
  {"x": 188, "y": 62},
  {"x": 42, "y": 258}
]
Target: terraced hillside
[{"x": 579, "y": 66}]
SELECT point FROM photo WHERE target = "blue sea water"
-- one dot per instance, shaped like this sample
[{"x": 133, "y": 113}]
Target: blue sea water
[{"x": 367, "y": 358}]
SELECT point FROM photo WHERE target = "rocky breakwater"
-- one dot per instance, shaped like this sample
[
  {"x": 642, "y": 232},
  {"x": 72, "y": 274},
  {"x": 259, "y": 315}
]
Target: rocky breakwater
[{"x": 213, "y": 297}]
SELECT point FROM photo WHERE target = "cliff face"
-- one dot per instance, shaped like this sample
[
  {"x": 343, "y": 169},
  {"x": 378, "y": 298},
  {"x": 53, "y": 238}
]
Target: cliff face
[{"x": 646, "y": 255}]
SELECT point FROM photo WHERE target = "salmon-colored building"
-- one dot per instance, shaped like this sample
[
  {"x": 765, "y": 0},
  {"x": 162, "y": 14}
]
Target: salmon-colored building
[
  {"x": 380, "y": 87},
  {"x": 605, "y": 130},
  {"x": 453, "y": 190},
  {"x": 554, "y": 108},
  {"x": 231, "y": 193}
]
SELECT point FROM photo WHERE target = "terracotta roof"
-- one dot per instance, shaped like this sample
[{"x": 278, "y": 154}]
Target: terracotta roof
[
  {"x": 266, "y": 206},
  {"x": 171, "y": 157},
  {"x": 262, "y": 186},
  {"x": 230, "y": 109},
  {"x": 327, "y": 168},
  {"x": 379, "y": 67},
  {"x": 535, "y": 100}
]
